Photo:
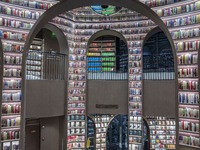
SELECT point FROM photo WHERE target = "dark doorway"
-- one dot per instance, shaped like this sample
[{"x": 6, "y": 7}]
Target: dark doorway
[{"x": 117, "y": 133}]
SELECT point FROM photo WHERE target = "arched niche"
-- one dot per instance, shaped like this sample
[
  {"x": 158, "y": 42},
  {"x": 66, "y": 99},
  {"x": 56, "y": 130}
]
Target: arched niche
[
  {"x": 107, "y": 90},
  {"x": 54, "y": 88},
  {"x": 164, "y": 99},
  {"x": 66, "y": 5},
  {"x": 117, "y": 133},
  {"x": 62, "y": 41},
  {"x": 106, "y": 32}
]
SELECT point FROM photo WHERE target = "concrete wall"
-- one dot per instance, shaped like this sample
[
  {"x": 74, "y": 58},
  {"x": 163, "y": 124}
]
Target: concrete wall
[
  {"x": 45, "y": 98},
  {"x": 105, "y": 94},
  {"x": 159, "y": 98}
]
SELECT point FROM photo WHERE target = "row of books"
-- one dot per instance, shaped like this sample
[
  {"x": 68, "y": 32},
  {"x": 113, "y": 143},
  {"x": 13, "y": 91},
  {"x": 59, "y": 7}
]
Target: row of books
[
  {"x": 188, "y": 72},
  {"x": 34, "y": 55},
  {"x": 179, "y": 9},
  {"x": 12, "y": 72},
  {"x": 77, "y": 64},
  {"x": 76, "y": 71},
  {"x": 183, "y": 21},
  {"x": 189, "y": 112},
  {"x": 13, "y": 35},
  {"x": 188, "y": 98},
  {"x": 134, "y": 44},
  {"x": 11, "y": 122},
  {"x": 8, "y": 146},
  {"x": 114, "y": 25},
  {"x": 187, "y": 33},
  {"x": 33, "y": 77},
  {"x": 187, "y": 46},
  {"x": 135, "y": 84},
  {"x": 135, "y": 64},
  {"x": 135, "y": 38},
  {"x": 75, "y": 117},
  {"x": 134, "y": 99},
  {"x": 12, "y": 60},
  {"x": 77, "y": 58},
  {"x": 75, "y": 131},
  {"x": 135, "y": 58},
  {"x": 76, "y": 105},
  {"x": 76, "y": 145},
  {"x": 76, "y": 91},
  {"x": 8, "y": 47},
  {"x": 135, "y": 78},
  {"x": 77, "y": 77},
  {"x": 135, "y": 106},
  {"x": 15, "y": 11},
  {"x": 14, "y": 96},
  {"x": 189, "y": 140},
  {"x": 10, "y": 135},
  {"x": 187, "y": 59},
  {"x": 134, "y": 146},
  {"x": 32, "y": 4},
  {"x": 135, "y": 71},
  {"x": 11, "y": 108},
  {"x": 77, "y": 51},
  {"x": 76, "y": 112},
  {"x": 33, "y": 62},
  {"x": 35, "y": 68},
  {"x": 76, "y": 124},
  {"x": 135, "y": 92},
  {"x": 188, "y": 85},
  {"x": 76, "y": 98},
  {"x": 156, "y": 3},
  {"x": 108, "y": 19},
  {"x": 76, "y": 138},
  {"x": 189, "y": 126},
  {"x": 15, "y": 24},
  {"x": 12, "y": 84},
  {"x": 77, "y": 84}
]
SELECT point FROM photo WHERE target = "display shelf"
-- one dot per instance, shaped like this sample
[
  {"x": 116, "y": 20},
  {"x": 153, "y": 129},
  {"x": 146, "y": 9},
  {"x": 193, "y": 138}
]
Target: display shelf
[{"x": 160, "y": 130}]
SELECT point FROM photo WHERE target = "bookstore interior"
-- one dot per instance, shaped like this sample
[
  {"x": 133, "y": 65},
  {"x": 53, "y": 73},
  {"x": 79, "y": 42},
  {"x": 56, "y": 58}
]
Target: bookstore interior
[{"x": 99, "y": 74}]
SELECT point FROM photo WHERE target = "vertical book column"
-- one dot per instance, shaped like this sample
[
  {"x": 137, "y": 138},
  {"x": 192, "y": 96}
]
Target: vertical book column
[
  {"x": 11, "y": 94},
  {"x": 76, "y": 135},
  {"x": 135, "y": 97}
]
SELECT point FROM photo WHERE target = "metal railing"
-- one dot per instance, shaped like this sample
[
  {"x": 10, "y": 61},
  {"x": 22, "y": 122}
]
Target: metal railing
[{"x": 45, "y": 66}]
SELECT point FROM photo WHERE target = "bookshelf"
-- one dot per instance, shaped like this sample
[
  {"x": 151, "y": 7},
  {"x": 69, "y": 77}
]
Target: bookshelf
[
  {"x": 101, "y": 56},
  {"x": 101, "y": 125},
  {"x": 162, "y": 132}
]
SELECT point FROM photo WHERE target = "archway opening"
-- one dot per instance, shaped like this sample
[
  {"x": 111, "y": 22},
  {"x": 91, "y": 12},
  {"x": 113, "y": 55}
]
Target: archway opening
[{"x": 107, "y": 59}]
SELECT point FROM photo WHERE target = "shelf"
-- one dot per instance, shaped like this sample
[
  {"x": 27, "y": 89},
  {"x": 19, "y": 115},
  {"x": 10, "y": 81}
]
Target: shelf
[
  {"x": 11, "y": 102},
  {"x": 188, "y": 118},
  {"x": 3, "y": 141},
  {"x": 18, "y": 127},
  {"x": 12, "y": 77},
  {"x": 189, "y": 131},
  {"x": 12, "y": 89},
  {"x": 3, "y": 115},
  {"x": 76, "y": 127},
  {"x": 189, "y": 145}
]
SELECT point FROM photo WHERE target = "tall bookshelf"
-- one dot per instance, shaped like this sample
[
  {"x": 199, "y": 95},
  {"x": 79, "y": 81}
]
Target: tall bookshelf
[
  {"x": 162, "y": 132},
  {"x": 11, "y": 95}
]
